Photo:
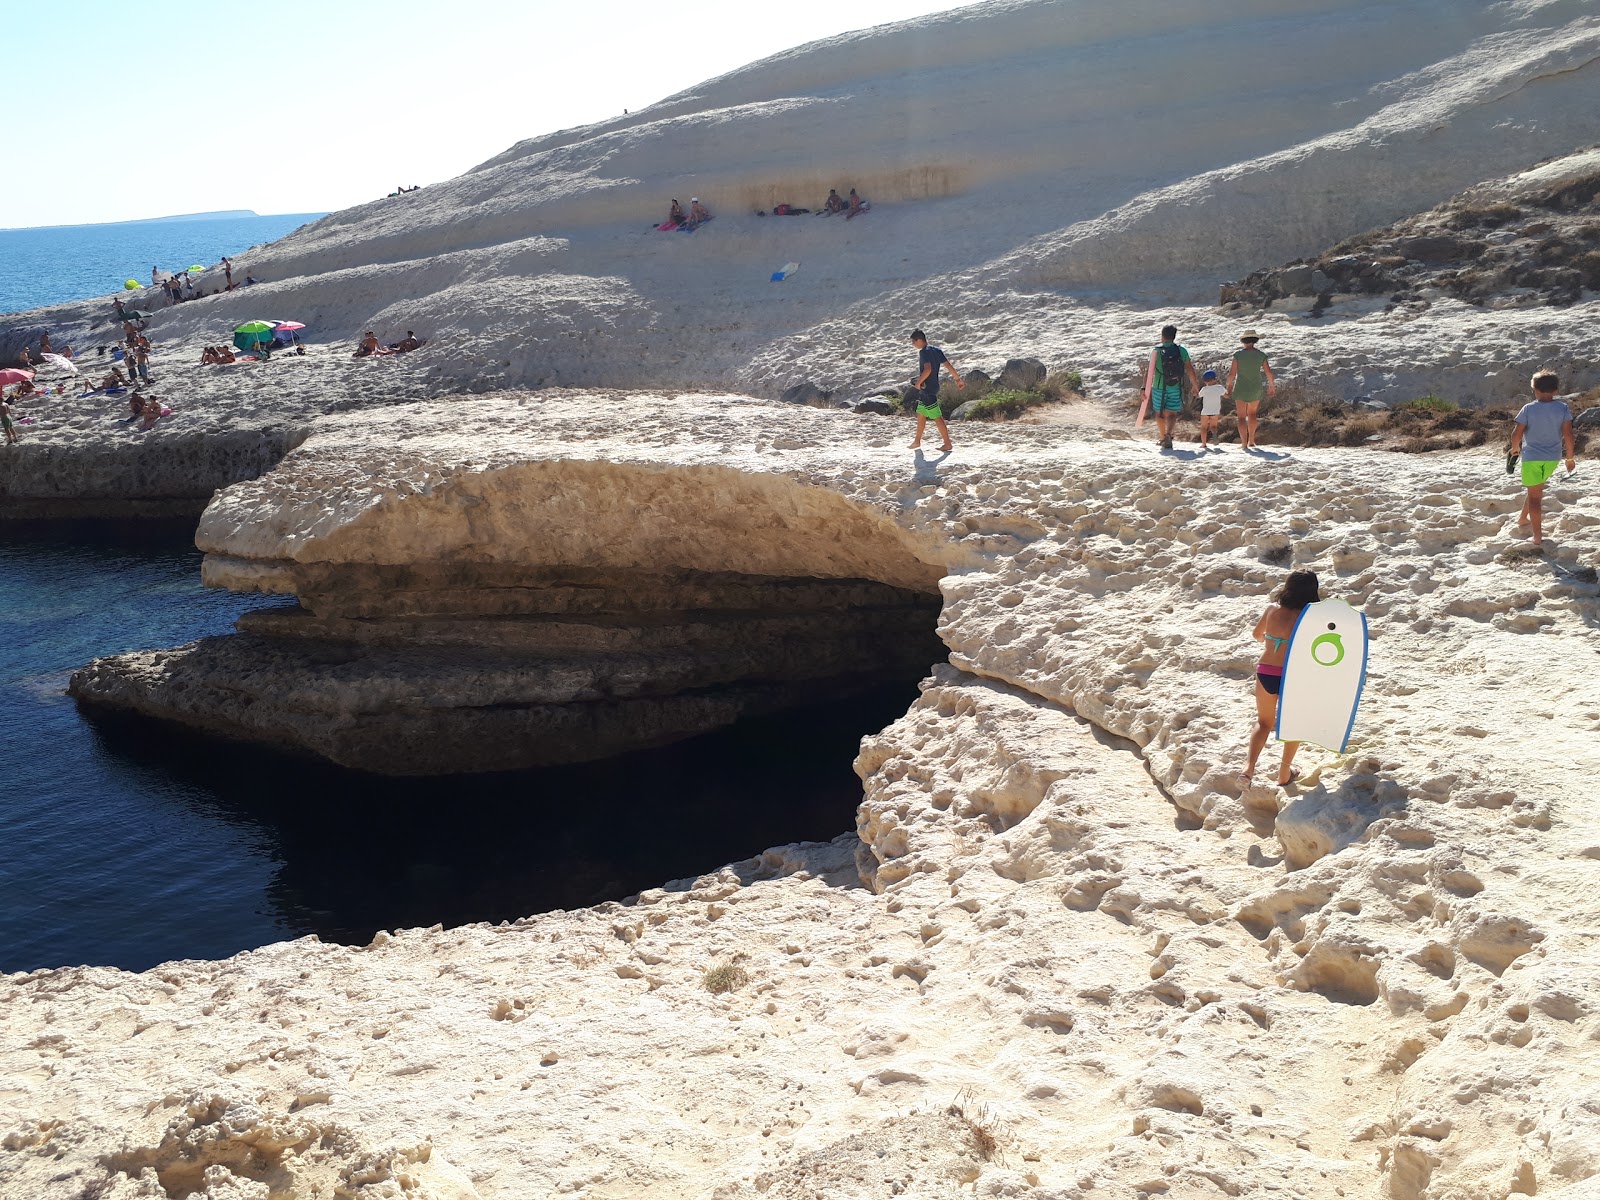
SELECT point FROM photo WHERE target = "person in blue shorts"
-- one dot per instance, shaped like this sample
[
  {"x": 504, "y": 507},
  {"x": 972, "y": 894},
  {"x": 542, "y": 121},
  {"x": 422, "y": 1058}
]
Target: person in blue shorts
[
  {"x": 1163, "y": 383},
  {"x": 1543, "y": 426},
  {"x": 929, "y": 360}
]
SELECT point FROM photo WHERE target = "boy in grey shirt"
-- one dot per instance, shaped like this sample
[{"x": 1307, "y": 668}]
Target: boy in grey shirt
[{"x": 1542, "y": 427}]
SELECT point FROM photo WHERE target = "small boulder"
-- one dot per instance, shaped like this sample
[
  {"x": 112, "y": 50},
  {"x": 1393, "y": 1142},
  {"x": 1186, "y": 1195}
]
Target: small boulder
[
  {"x": 978, "y": 377},
  {"x": 1320, "y": 282},
  {"x": 876, "y": 405},
  {"x": 1431, "y": 249},
  {"x": 1295, "y": 281},
  {"x": 1021, "y": 374},
  {"x": 805, "y": 393},
  {"x": 963, "y": 411},
  {"x": 1587, "y": 418}
]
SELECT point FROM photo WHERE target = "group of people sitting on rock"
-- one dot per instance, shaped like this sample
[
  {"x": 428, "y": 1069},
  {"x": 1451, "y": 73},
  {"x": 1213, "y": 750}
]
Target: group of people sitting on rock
[
  {"x": 852, "y": 205},
  {"x": 370, "y": 347},
  {"x": 26, "y": 359},
  {"x": 697, "y": 215},
  {"x": 147, "y": 410}
]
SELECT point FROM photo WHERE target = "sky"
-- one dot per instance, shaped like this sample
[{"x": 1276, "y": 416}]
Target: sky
[{"x": 175, "y": 106}]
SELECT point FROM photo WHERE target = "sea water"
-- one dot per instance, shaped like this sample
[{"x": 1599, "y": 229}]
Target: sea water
[
  {"x": 127, "y": 842},
  {"x": 75, "y": 262}
]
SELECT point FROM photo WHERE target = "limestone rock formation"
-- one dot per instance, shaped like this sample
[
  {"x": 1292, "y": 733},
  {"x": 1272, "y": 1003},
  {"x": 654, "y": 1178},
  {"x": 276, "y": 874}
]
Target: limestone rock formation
[
  {"x": 1527, "y": 241},
  {"x": 1065, "y": 955}
]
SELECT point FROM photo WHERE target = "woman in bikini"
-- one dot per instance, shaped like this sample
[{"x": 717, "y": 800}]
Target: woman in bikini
[{"x": 1273, "y": 631}]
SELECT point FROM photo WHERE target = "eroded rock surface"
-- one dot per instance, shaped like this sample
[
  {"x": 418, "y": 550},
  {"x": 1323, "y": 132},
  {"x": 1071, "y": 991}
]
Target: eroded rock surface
[{"x": 1064, "y": 955}]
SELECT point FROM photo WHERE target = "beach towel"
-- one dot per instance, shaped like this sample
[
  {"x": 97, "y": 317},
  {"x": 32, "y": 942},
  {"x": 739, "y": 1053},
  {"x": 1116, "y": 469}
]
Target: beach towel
[
  {"x": 666, "y": 227},
  {"x": 784, "y": 272}
]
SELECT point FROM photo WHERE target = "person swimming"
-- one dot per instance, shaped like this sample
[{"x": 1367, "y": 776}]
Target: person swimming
[{"x": 1274, "y": 630}]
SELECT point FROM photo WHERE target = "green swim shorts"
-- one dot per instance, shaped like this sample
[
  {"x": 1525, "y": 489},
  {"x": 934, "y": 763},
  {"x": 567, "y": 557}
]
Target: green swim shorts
[
  {"x": 1167, "y": 399},
  {"x": 1536, "y": 474},
  {"x": 928, "y": 406}
]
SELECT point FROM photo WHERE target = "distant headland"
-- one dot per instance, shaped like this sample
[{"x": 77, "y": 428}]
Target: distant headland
[{"x": 231, "y": 214}]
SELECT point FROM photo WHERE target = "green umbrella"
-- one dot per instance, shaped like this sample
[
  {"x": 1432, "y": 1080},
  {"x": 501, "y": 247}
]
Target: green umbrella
[
  {"x": 131, "y": 285},
  {"x": 197, "y": 267},
  {"x": 252, "y": 332}
]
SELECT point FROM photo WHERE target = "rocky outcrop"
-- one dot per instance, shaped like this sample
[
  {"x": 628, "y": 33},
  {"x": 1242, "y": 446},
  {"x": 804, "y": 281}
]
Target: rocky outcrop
[
  {"x": 136, "y": 475},
  {"x": 1526, "y": 241},
  {"x": 530, "y": 610},
  {"x": 1065, "y": 953}
]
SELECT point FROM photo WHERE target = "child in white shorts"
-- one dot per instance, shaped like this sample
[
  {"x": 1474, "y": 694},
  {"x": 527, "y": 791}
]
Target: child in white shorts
[{"x": 1211, "y": 394}]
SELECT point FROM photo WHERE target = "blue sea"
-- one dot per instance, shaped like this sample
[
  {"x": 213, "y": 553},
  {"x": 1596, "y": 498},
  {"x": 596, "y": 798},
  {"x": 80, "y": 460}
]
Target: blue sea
[
  {"x": 58, "y": 263},
  {"x": 126, "y": 842}
]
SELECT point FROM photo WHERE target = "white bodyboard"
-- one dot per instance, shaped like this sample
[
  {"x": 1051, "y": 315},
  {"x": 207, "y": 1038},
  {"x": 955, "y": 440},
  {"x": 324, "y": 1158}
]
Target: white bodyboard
[{"x": 1323, "y": 674}]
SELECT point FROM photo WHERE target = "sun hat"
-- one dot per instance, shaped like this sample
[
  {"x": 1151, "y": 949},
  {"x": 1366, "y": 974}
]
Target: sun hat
[{"x": 1249, "y": 335}]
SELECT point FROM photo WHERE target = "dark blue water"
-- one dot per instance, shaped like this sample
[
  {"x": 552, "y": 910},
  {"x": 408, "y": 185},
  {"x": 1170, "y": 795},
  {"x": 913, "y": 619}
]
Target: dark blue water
[
  {"x": 127, "y": 843},
  {"x": 75, "y": 262}
]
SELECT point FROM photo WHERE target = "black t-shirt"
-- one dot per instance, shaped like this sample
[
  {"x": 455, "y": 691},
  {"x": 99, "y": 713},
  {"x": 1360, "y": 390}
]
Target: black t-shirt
[{"x": 934, "y": 357}]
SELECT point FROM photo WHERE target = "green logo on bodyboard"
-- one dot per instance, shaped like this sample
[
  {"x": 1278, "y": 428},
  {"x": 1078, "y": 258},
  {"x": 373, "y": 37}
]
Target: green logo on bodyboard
[{"x": 1317, "y": 650}]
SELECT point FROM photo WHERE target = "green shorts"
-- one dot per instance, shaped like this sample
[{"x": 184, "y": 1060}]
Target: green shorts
[
  {"x": 928, "y": 406},
  {"x": 1167, "y": 399},
  {"x": 1537, "y": 474}
]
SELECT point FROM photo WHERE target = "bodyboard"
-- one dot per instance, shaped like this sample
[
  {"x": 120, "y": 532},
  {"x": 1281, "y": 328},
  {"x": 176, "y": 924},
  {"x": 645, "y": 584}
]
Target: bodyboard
[
  {"x": 1149, "y": 382},
  {"x": 1323, "y": 674}
]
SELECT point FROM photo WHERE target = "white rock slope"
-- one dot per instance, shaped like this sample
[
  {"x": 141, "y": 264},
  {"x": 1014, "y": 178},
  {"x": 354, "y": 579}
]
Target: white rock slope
[{"x": 1023, "y": 154}]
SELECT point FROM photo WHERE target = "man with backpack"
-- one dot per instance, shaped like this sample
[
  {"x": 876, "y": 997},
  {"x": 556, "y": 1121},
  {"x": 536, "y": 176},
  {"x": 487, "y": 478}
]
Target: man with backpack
[{"x": 1163, "y": 383}]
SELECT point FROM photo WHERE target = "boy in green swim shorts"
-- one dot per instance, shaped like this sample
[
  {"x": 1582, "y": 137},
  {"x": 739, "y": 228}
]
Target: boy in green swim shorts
[
  {"x": 929, "y": 360},
  {"x": 1542, "y": 427}
]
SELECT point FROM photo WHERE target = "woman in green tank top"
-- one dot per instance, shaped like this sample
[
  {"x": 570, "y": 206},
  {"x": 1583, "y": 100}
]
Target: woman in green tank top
[{"x": 1250, "y": 381}]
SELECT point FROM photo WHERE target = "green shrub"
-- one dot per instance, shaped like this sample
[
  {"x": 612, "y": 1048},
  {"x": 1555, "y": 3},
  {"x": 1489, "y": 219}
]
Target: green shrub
[
  {"x": 726, "y": 978},
  {"x": 1061, "y": 384},
  {"x": 1430, "y": 403},
  {"x": 1004, "y": 405}
]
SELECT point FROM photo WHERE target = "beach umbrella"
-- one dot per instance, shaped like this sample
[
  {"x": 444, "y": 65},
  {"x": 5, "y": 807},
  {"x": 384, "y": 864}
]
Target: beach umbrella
[
  {"x": 246, "y": 336},
  {"x": 197, "y": 267},
  {"x": 60, "y": 360},
  {"x": 287, "y": 326},
  {"x": 130, "y": 285},
  {"x": 10, "y": 375}
]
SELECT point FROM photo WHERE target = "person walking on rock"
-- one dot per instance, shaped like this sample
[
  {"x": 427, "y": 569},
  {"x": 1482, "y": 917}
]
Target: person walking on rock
[
  {"x": 1163, "y": 383},
  {"x": 1542, "y": 428},
  {"x": 1273, "y": 631},
  {"x": 929, "y": 360},
  {"x": 1250, "y": 379}
]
